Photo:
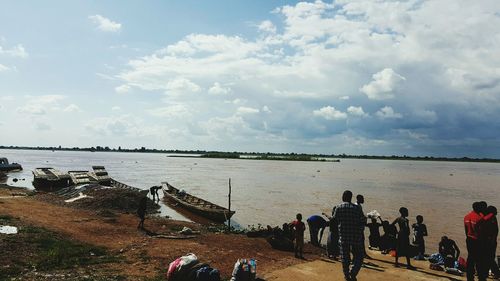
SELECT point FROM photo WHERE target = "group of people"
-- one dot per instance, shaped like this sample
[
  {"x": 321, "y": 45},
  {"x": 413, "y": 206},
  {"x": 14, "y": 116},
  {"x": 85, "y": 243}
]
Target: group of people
[
  {"x": 481, "y": 230},
  {"x": 346, "y": 237}
]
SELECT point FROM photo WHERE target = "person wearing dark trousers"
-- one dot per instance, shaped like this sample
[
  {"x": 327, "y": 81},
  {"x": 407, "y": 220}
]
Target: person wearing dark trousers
[
  {"x": 419, "y": 232},
  {"x": 476, "y": 256},
  {"x": 332, "y": 244},
  {"x": 141, "y": 211},
  {"x": 316, "y": 225},
  {"x": 489, "y": 234},
  {"x": 403, "y": 238},
  {"x": 351, "y": 224},
  {"x": 154, "y": 192}
]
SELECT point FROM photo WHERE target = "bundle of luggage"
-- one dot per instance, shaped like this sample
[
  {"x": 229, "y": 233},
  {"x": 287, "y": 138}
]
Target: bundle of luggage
[
  {"x": 448, "y": 264},
  {"x": 244, "y": 270},
  {"x": 281, "y": 239},
  {"x": 188, "y": 268}
]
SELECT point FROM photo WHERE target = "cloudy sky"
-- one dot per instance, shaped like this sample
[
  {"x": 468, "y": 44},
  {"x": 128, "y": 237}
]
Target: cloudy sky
[{"x": 357, "y": 77}]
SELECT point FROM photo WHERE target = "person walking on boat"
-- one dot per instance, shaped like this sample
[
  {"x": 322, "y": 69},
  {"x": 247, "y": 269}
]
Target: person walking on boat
[
  {"x": 141, "y": 211},
  {"x": 351, "y": 223}
]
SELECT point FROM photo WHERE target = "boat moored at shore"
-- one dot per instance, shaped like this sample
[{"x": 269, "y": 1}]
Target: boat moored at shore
[
  {"x": 5, "y": 166},
  {"x": 196, "y": 205},
  {"x": 50, "y": 179}
]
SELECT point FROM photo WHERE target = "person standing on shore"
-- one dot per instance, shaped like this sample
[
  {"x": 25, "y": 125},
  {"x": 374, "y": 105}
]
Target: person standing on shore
[
  {"x": 403, "y": 238},
  {"x": 141, "y": 211},
  {"x": 299, "y": 227},
  {"x": 419, "y": 232},
  {"x": 332, "y": 243},
  {"x": 476, "y": 260},
  {"x": 316, "y": 225},
  {"x": 351, "y": 224},
  {"x": 490, "y": 235},
  {"x": 360, "y": 200}
]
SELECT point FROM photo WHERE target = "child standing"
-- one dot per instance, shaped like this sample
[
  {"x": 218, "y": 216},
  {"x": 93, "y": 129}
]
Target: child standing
[
  {"x": 419, "y": 231},
  {"x": 299, "y": 227}
]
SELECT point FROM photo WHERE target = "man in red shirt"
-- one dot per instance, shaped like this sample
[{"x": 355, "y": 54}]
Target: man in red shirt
[{"x": 476, "y": 257}]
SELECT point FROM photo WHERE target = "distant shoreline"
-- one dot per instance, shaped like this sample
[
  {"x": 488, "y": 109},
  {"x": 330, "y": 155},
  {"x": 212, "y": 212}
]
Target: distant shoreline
[{"x": 257, "y": 155}]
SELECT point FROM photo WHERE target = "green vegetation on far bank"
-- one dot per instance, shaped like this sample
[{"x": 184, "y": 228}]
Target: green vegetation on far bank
[{"x": 256, "y": 155}]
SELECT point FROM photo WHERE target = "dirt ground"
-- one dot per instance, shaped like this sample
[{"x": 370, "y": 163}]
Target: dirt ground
[
  {"x": 379, "y": 267},
  {"x": 145, "y": 257}
]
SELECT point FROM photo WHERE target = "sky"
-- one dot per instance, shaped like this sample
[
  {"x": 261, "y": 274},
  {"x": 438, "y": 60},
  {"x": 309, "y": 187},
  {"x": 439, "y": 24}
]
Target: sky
[{"x": 378, "y": 77}]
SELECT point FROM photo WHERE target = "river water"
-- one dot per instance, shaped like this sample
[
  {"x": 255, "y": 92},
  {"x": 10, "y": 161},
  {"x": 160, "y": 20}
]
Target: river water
[{"x": 272, "y": 192}]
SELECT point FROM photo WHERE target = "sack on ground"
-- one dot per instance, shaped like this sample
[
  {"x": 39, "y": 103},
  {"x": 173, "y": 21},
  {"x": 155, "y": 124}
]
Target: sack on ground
[
  {"x": 179, "y": 268},
  {"x": 244, "y": 270}
]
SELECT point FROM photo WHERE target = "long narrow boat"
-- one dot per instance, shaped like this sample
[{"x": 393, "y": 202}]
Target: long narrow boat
[
  {"x": 5, "y": 166},
  {"x": 196, "y": 205}
]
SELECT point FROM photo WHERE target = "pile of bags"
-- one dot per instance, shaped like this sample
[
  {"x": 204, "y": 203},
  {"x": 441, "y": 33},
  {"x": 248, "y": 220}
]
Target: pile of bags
[
  {"x": 244, "y": 270},
  {"x": 448, "y": 264},
  {"x": 188, "y": 268}
]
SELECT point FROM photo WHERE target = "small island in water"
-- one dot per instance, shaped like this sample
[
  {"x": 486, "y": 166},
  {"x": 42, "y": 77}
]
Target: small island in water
[{"x": 254, "y": 155}]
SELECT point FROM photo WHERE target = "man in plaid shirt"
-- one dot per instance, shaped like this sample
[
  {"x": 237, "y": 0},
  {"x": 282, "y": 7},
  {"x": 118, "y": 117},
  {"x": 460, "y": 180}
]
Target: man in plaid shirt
[{"x": 351, "y": 222}]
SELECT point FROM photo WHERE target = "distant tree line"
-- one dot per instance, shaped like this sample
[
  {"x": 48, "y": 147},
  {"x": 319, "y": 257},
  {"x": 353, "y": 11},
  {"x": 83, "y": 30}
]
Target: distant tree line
[{"x": 254, "y": 155}]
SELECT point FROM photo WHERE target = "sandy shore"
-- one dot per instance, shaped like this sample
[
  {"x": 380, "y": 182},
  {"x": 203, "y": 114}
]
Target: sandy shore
[{"x": 146, "y": 257}]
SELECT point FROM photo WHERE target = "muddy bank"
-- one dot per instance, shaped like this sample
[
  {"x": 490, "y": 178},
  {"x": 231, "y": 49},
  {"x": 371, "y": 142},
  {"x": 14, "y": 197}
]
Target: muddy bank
[
  {"x": 137, "y": 255},
  {"x": 147, "y": 256}
]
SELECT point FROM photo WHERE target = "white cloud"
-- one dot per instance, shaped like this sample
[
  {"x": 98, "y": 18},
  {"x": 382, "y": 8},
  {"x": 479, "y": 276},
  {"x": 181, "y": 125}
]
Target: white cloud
[
  {"x": 266, "y": 109},
  {"x": 3, "y": 68},
  {"x": 105, "y": 24},
  {"x": 330, "y": 113},
  {"x": 40, "y": 105},
  {"x": 356, "y": 111},
  {"x": 267, "y": 26},
  {"x": 42, "y": 126},
  {"x": 383, "y": 84},
  {"x": 32, "y": 109},
  {"x": 72, "y": 108},
  {"x": 17, "y": 51},
  {"x": 181, "y": 86},
  {"x": 123, "y": 125},
  {"x": 427, "y": 116},
  {"x": 217, "y": 89},
  {"x": 242, "y": 110},
  {"x": 171, "y": 111},
  {"x": 388, "y": 113},
  {"x": 116, "y": 108},
  {"x": 122, "y": 89},
  {"x": 340, "y": 50}
]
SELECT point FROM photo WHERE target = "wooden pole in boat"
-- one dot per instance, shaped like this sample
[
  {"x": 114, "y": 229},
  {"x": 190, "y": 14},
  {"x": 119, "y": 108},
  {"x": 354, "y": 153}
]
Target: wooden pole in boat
[{"x": 229, "y": 198}]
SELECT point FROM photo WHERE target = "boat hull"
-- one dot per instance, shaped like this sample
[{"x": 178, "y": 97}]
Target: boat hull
[
  {"x": 10, "y": 167},
  {"x": 207, "y": 210},
  {"x": 49, "y": 185}
]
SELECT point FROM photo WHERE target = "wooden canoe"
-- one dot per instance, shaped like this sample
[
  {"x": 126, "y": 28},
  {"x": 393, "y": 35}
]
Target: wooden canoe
[{"x": 196, "y": 205}]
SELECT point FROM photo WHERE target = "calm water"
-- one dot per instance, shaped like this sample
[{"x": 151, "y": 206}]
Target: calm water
[{"x": 272, "y": 192}]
